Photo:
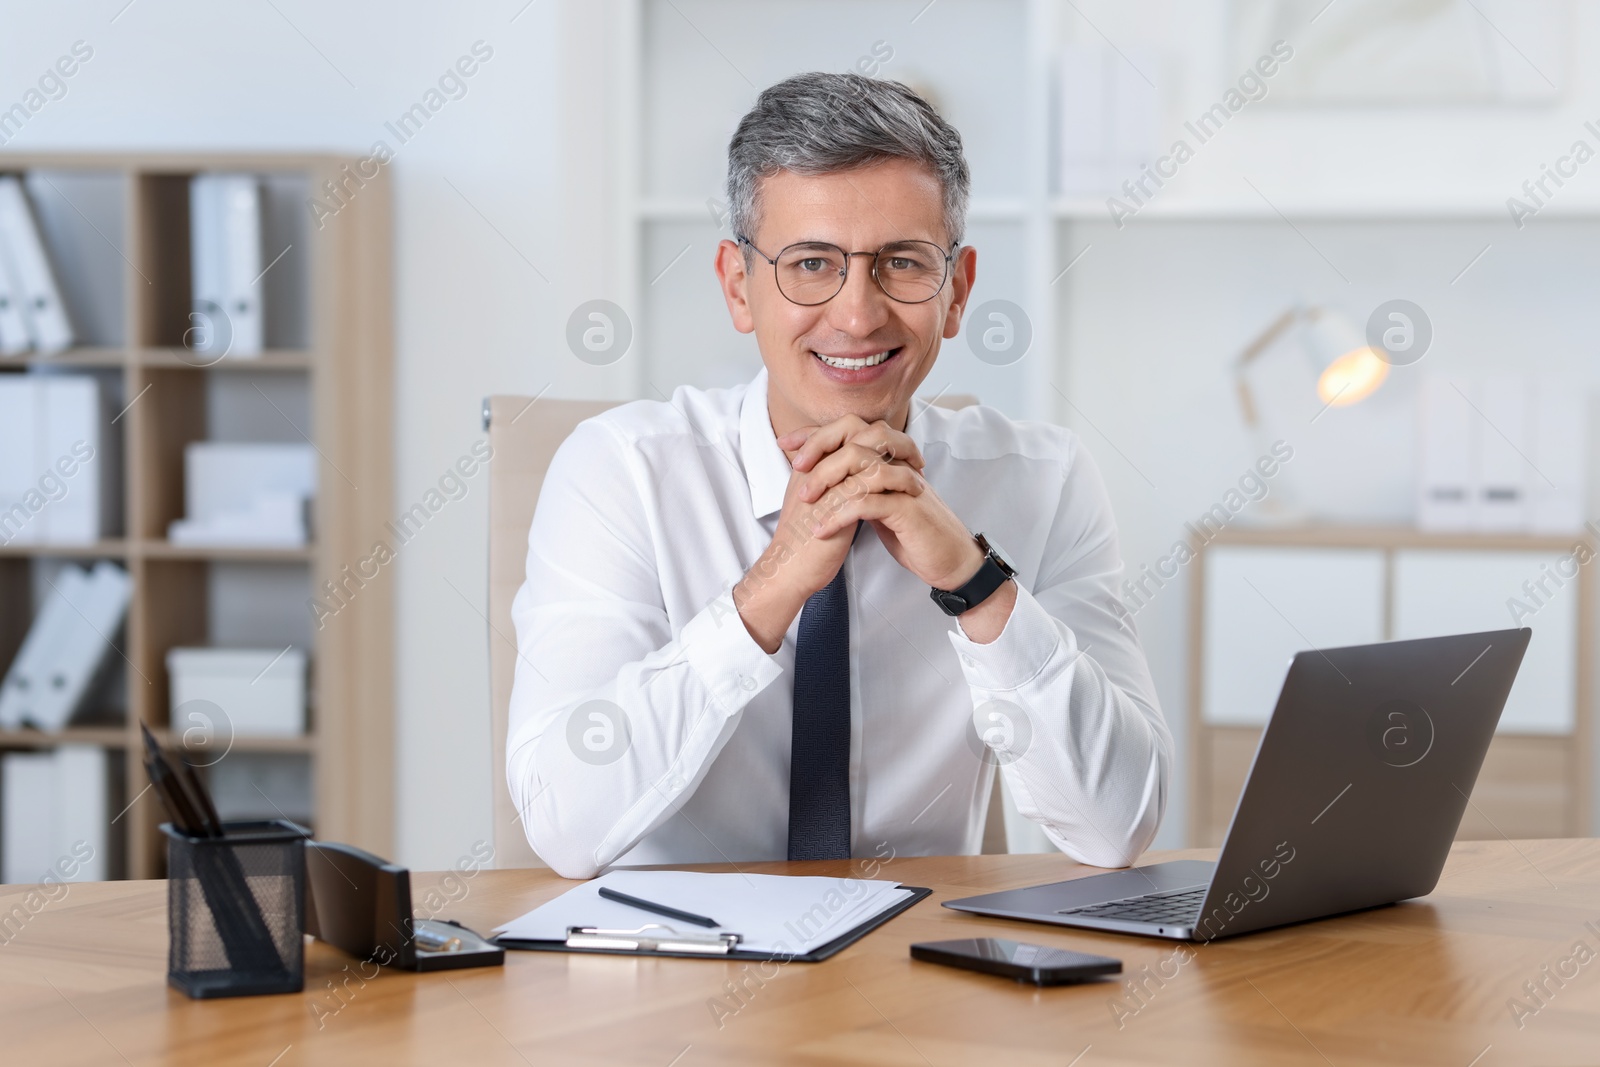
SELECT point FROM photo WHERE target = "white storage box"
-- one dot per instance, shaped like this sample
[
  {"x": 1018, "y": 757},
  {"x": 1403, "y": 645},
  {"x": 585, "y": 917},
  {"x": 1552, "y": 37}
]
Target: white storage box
[
  {"x": 261, "y": 692},
  {"x": 245, "y": 494}
]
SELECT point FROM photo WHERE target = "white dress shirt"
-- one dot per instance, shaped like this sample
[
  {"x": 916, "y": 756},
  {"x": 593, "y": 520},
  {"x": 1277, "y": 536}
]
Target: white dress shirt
[{"x": 652, "y": 511}]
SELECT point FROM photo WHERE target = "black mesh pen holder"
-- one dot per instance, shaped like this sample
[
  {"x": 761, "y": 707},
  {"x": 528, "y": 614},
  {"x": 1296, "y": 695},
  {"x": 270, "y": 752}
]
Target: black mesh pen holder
[{"x": 235, "y": 909}]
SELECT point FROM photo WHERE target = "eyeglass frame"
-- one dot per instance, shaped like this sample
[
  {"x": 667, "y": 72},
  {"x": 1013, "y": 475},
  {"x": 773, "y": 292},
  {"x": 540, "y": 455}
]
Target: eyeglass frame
[{"x": 949, "y": 257}]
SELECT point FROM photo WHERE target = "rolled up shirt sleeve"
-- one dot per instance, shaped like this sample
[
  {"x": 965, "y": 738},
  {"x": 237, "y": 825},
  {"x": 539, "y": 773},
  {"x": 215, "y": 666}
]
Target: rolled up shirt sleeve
[
  {"x": 614, "y": 718},
  {"x": 1081, "y": 740}
]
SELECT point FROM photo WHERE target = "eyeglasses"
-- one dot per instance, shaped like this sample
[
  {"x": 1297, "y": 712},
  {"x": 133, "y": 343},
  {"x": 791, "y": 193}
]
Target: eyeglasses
[{"x": 814, "y": 272}]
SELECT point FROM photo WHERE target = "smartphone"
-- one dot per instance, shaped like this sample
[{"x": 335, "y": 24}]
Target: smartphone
[{"x": 1039, "y": 964}]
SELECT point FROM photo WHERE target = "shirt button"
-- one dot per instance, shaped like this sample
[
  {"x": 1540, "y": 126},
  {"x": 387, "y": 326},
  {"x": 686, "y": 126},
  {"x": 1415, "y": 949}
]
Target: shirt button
[
  {"x": 746, "y": 682},
  {"x": 968, "y": 660},
  {"x": 676, "y": 783}
]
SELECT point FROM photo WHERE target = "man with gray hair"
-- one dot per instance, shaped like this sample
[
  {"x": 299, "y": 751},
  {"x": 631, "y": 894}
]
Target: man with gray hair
[{"x": 775, "y": 621}]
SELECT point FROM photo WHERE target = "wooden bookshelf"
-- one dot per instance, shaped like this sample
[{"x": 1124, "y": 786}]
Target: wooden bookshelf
[
  {"x": 111, "y": 548},
  {"x": 334, "y": 357},
  {"x": 110, "y": 736}
]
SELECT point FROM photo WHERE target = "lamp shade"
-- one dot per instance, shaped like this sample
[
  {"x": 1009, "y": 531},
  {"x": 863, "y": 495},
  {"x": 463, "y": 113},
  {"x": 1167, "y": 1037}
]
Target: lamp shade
[{"x": 1348, "y": 369}]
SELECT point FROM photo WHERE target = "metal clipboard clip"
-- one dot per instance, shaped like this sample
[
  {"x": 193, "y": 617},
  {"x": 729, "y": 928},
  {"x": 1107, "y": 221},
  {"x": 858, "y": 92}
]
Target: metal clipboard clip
[{"x": 644, "y": 940}]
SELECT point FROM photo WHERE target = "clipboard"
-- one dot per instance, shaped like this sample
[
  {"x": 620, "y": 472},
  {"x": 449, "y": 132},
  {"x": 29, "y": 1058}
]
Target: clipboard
[{"x": 658, "y": 939}]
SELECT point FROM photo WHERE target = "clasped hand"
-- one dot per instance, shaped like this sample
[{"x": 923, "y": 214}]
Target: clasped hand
[{"x": 841, "y": 473}]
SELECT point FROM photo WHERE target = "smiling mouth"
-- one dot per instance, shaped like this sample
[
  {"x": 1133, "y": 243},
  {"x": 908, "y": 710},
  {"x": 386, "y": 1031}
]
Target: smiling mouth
[{"x": 843, "y": 363}]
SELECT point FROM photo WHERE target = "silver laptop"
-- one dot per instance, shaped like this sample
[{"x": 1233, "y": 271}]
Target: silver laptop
[{"x": 1355, "y": 794}]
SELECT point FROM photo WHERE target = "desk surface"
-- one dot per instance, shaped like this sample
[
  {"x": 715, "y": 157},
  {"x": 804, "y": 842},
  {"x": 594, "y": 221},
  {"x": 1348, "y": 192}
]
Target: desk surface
[{"x": 82, "y": 981}]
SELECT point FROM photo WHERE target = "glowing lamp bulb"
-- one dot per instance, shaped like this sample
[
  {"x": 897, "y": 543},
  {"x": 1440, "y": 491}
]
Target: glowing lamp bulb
[{"x": 1352, "y": 377}]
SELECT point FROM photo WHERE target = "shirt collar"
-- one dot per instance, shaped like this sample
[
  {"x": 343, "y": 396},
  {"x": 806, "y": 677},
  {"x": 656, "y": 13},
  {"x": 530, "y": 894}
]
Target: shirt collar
[
  {"x": 765, "y": 465},
  {"x": 918, "y": 422}
]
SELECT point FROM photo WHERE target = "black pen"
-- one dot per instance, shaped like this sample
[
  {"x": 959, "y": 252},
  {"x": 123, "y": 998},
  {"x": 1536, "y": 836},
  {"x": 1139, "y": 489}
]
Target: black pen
[
  {"x": 660, "y": 909},
  {"x": 173, "y": 796},
  {"x": 201, "y": 798}
]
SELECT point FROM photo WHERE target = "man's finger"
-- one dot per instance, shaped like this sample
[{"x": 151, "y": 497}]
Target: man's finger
[
  {"x": 836, "y": 467},
  {"x": 890, "y": 443},
  {"x": 883, "y": 478},
  {"x": 879, "y": 436},
  {"x": 795, "y": 438},
  {"x": 825, "y": 439},
  {"x": 870, "y": 506},
  {"x": 877, "y": 477}
]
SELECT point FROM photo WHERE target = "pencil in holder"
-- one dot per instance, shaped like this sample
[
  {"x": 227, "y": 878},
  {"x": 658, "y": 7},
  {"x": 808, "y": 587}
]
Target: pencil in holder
[{"x": 236, "y": 908}]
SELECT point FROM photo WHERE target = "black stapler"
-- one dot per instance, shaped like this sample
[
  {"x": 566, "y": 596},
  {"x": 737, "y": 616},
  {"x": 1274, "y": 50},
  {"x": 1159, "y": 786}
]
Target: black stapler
[{"x": 362, "y": 905}]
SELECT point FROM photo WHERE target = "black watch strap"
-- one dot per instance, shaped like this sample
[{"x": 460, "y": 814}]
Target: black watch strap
[{"x": 992, "y": 574}]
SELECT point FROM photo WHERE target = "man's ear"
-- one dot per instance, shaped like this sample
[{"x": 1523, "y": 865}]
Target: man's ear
[
  {"x": 963, "y": 273},
  {"x": 735, "y": 282}
]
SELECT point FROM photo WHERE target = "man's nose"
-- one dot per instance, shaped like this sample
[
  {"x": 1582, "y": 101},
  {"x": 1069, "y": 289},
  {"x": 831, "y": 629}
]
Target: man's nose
[{"x": 861, "y": 307}]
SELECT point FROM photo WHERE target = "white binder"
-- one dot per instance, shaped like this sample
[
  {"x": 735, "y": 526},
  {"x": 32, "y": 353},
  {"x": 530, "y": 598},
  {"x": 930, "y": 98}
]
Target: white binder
[
  {"x": 1502, "y": 454},
  {"x": 77, "y": 658},
  {"x": 27, "y": 682},
  {"x": 208, "y": 326},
  {"x": 28, "y": 788},
  {"x": 81, "y": 815},
  {"x": 19, "y": 525},
  {"x": 27, "y": 264},
  {"x": 74, "y": 632},
  {"x": 1503, "y": 447},
  {"x": 226, "y": 264},
  {"x": 45, "y": 421},
  {"x": 14, "y": 340},
  {"x": 55, "y": 815},
  {"x": 73, "y": 417},
  {"x": 1447, "y": 483},
  {"x": 242, "y": 263},
  {"x": 1560, "y": 447}
]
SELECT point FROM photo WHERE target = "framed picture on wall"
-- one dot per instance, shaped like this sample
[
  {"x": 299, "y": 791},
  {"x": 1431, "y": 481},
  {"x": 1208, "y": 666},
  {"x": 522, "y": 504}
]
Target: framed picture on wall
[{"x": 1410, "y": 51}]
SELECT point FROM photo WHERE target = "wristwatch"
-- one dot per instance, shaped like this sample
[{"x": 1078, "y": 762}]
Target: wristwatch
[{"x": 991, "y": 576}]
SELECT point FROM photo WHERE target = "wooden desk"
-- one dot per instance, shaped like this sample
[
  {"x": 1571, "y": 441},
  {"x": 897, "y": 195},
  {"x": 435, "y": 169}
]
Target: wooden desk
[{"x": 1428, "y": 982}]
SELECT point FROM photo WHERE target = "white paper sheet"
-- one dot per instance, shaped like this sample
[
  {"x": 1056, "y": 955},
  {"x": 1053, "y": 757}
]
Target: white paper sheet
[{"x": 772, "y": 913}]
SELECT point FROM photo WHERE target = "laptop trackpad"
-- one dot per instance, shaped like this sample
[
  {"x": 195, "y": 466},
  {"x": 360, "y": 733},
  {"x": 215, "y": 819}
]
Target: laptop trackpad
[{"x": 1095, "y": 888}]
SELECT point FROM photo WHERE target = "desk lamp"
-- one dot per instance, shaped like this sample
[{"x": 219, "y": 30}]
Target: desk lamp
[{"x": 1348, "y": 370}]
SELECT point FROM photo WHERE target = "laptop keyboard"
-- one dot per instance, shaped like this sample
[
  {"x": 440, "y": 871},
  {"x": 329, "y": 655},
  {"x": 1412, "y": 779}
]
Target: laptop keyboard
[{"x": 1174, "y": 906}]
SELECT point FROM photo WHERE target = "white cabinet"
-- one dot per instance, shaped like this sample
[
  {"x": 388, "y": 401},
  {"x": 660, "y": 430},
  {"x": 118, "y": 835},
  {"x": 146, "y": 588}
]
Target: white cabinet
[
  {"x": 1262, "y": 605},
  {"x": 1264, "y": 595},
  {"x": 1443, "y": 592}
]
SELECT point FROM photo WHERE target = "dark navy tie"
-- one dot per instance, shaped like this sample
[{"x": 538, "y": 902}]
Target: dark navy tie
[{"x": 819, "y": 756}]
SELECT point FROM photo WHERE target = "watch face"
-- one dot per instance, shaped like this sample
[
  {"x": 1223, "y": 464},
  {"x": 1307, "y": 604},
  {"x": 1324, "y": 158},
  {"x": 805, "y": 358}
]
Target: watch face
[{"x": 1001, "y": 553}]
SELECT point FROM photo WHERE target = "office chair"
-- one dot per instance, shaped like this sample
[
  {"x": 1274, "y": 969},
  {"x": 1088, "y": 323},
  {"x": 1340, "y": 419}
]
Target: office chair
[{"x": 524, "y": 433}]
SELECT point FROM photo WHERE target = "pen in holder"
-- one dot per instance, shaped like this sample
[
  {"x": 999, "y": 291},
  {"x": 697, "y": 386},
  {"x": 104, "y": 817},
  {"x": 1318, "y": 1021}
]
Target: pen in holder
[{"x": 235, "y": 906}]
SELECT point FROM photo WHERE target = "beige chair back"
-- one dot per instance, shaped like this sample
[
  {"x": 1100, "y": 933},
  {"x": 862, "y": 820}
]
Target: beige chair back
[{"x": 524, "y": 433}]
